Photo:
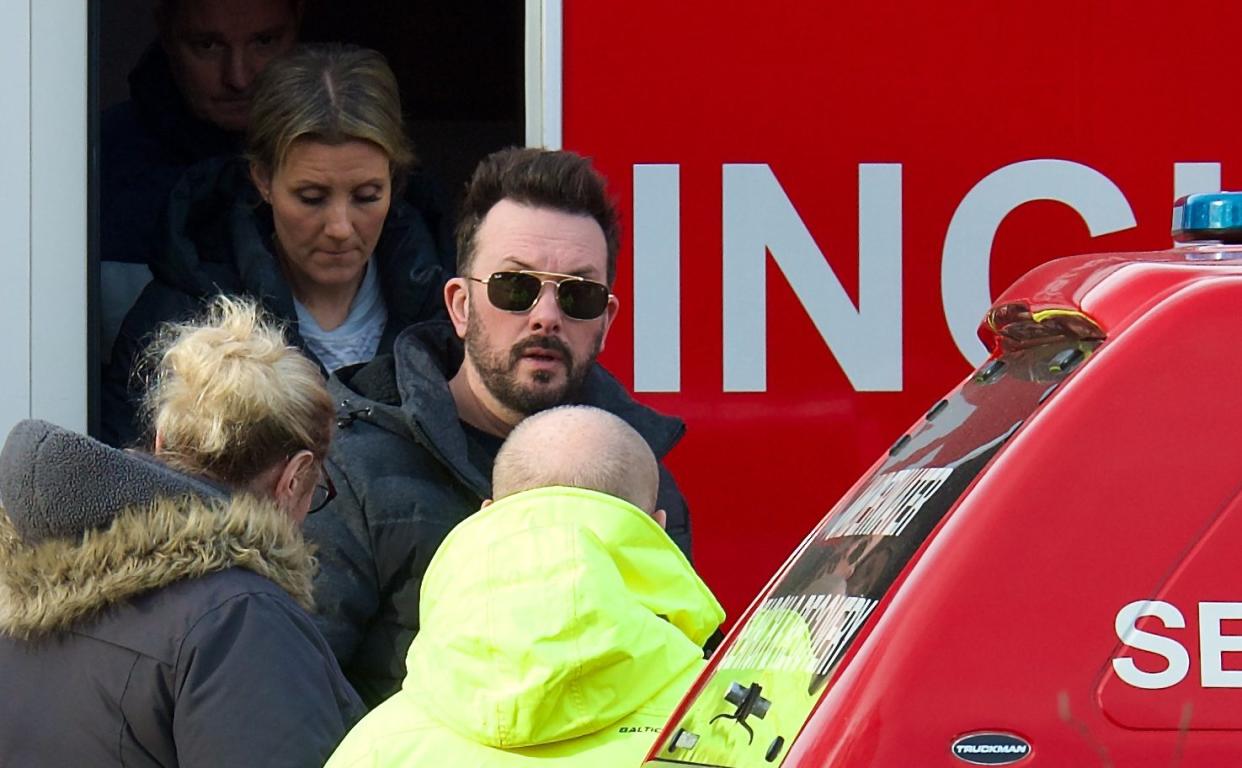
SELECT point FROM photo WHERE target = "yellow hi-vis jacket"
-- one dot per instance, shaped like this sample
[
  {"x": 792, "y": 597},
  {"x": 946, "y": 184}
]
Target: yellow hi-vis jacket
[{"x": 559, "y": 627}]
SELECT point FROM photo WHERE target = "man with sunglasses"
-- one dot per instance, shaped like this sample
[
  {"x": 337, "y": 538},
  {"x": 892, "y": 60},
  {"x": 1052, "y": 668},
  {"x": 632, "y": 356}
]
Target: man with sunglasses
[{"x": 529, "y": 312}]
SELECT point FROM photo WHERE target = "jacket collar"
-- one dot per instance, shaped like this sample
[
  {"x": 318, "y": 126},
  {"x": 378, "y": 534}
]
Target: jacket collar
[
  {"x": 217, "y": 237},
  {"x": 54, "y": 584},
  {"x": 56, "y": 483},
  {"x": 425, "y": 356},
  {"x": 86, "y": 526}
]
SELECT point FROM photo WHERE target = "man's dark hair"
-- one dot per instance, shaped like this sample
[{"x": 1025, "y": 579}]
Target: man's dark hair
[{"x": 561, "y": 180}]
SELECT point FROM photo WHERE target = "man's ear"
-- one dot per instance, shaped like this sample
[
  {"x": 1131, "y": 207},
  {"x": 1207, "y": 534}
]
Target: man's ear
[
  {"x": 661, "y": 518},
  {"x": 457, "y": 301},
  {"x": 486, "y": 503},
  {"x": 610, "y": 314},
  {"x": 262, "y": 179}
]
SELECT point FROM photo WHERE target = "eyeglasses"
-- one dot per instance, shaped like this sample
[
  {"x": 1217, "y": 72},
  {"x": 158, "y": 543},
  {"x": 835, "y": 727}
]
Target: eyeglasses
[
  {"x": 518, "y": 291},
  {"x": 324, "y": 492}
]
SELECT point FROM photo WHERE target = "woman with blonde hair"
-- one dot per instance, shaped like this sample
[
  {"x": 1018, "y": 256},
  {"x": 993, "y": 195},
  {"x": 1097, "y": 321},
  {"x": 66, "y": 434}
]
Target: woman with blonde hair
[
  {"x": 309, "y": 223},
  {"x": 153, "y": 608}
]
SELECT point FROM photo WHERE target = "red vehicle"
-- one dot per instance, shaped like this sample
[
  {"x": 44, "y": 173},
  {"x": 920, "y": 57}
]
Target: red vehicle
[{"x": 1041, "y": 571}]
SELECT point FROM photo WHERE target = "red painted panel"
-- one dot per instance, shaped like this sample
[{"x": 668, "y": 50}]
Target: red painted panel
[
  {"x": 813, "y": 89},
  {"x": 1006, "y": 621},
  {"x": 1205, "y": 693}
]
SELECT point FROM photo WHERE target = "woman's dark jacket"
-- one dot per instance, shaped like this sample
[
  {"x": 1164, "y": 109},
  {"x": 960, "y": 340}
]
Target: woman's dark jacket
[
  {"x": 148, "y": 620},
  {"x": 218, "y": 239},
  {"x": 406, "y": 473}
]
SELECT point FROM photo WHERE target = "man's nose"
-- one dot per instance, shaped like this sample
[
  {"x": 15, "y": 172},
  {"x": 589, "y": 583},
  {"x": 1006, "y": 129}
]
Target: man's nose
[
  {"x": 239, "y": 70},
  {"x": 546, "y": 314}
]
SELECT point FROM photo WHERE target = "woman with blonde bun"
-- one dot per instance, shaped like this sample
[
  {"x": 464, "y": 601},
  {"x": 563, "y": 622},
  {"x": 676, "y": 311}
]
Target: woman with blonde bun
[{"x": 153, "y": 608}]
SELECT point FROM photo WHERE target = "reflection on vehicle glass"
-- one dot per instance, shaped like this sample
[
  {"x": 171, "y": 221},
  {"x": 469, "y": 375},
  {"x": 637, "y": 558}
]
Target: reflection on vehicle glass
[{"x": 789, "y": 649}]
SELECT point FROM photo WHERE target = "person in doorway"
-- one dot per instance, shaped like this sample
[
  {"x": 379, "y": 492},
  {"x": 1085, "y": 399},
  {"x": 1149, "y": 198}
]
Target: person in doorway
[
  {"x": 530, "y": 310},
  {"x": 191, "y": 95},
  {"x": 558, "y": 623},
  {"x": 189, "y": 101},
  {"x": 154, "y": 608},
  {"x": 309, "y": 225}
]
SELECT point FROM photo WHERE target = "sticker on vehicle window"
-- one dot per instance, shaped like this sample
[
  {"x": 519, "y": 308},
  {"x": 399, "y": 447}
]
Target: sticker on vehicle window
[
  {"x": 807, "y": 633},
  {"x": 889, "y": 504},
  {"x": 761, "y": 692}
]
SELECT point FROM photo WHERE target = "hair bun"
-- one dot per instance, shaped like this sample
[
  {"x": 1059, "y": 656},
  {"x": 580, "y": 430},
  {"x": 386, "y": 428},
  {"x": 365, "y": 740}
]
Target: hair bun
[{"x": 228, "y": 395}]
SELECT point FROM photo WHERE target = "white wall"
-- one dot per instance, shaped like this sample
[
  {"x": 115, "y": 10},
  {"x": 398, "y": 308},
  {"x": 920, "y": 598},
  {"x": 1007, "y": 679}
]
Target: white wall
[{"x": 43, "y": 172}]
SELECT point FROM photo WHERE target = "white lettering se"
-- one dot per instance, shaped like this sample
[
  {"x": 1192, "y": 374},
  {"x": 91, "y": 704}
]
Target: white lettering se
[{"x": 1213, "y": 645}]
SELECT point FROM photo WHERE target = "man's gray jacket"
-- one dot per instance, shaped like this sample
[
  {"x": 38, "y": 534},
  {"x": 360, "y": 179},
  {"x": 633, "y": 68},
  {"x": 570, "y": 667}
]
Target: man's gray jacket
[{"x": 404, "y": 478}]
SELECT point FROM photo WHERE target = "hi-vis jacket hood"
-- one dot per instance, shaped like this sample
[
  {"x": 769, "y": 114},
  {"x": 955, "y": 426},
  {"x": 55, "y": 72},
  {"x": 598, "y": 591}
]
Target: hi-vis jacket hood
[
  {"x": 553, "y": 613},
  {"x": 86, "y": 526},
  {"x": 548, "y": 620}
]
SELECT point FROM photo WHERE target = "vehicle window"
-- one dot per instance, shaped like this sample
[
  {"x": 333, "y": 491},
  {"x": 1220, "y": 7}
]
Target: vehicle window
[{"x": 768, "y": 680}]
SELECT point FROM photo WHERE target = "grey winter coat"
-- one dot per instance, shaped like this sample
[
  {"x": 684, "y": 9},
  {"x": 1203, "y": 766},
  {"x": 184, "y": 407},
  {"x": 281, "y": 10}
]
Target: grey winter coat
[
  {"x": 148, "y": 620},
  {"x": 405, "y": 476}
]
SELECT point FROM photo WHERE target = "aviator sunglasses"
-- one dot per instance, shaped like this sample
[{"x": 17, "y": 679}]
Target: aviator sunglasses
[{"x": 517, "y": 291}]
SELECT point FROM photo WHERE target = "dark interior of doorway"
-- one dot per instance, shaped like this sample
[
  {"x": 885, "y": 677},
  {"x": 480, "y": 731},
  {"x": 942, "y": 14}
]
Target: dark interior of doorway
[
  {"x": 460, "y": 65},
  {"x": 459, "y": 62}
]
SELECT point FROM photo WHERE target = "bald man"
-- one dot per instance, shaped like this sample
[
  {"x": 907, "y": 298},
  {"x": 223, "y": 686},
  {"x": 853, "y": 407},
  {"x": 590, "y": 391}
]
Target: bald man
[
  {"x": 579, "y": 447},
  {"x": 558, "y": 622}
]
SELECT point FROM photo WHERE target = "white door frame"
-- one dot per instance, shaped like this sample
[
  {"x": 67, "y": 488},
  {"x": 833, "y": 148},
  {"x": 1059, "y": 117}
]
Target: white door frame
[
  {"x": 544, "y": 30},
  {"x": 44, "y": 322},
  {"x": 43, "y": 211}
]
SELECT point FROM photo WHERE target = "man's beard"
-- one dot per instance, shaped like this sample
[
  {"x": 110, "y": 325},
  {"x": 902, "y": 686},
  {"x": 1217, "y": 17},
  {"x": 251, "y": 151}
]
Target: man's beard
[{"x": 498, "y": 370}]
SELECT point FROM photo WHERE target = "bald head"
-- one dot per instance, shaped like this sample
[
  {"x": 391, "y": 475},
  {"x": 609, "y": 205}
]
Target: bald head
[{"x": 580, "y": 447}]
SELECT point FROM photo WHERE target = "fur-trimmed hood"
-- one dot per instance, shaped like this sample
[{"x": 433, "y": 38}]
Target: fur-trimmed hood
[{"x": 85, "y": 526}]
